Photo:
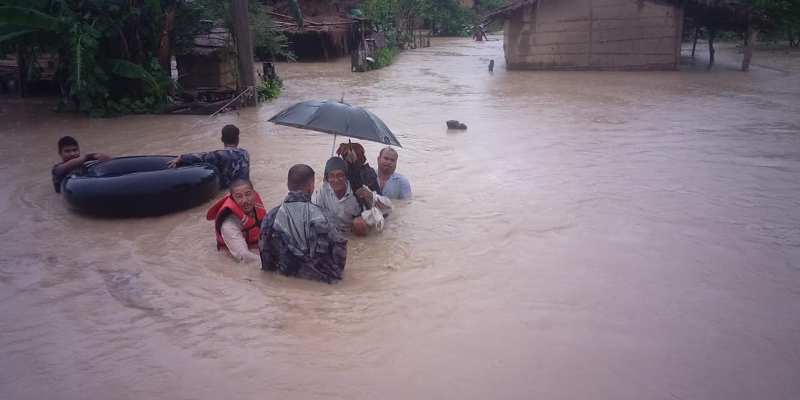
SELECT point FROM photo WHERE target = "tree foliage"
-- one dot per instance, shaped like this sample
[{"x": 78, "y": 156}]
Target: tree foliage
[
  {"x": 105, "y": 50},
  {"x": 396, "y": 18},
  {"x": 783, "y": 19},
  {"x": 112, "y": 55},
  {"x": 200, "y": 16}
]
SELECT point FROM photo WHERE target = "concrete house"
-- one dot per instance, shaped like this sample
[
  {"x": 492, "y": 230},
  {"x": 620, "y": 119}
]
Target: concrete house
[{"x": 592, "y": 34}]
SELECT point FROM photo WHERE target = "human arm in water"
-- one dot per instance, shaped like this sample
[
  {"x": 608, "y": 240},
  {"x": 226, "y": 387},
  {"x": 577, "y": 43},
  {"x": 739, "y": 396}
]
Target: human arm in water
[
  {"x": 231, "y": 231},
  {"x": 70, "y": 165},
  {"x": 195, "y": 158}
]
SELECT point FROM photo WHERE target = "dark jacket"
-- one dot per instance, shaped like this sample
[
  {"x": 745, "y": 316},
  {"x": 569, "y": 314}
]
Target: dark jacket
[
  {"x": 297, "y": 240},
  {"x": 363, "y": 175}
]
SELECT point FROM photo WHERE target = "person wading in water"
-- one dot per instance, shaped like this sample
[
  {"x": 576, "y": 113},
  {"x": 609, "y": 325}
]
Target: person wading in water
[{"x": 237, "y": 221}]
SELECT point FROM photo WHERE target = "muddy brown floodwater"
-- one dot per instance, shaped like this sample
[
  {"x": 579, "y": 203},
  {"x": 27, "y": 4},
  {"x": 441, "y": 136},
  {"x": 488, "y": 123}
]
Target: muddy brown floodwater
[{"x": 591, "y": 235}]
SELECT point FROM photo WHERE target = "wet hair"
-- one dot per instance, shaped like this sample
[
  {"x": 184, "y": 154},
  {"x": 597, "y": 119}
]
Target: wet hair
[
  {"x": 299, "y": 176},
  {"x": 240, "y": 182},
  {"x": 66, "y": 141},
  {"x": 387, "y": 149},
  {"x": 345, "y": 148},
  {"x": 230, "y": 135}
]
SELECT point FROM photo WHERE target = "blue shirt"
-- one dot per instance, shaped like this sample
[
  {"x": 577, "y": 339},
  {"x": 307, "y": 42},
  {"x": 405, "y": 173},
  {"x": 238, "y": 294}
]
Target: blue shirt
[
  {"x": 232, "y": 162},
  {"x": 397, "y": 187}
]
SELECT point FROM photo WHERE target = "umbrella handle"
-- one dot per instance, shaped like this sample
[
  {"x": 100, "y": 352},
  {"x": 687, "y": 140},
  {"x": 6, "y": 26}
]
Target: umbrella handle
[{"x": 334, "y": 144}]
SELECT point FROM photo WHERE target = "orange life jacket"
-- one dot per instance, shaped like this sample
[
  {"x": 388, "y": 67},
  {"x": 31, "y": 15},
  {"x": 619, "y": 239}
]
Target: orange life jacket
[{"x": 251, "y": 227}]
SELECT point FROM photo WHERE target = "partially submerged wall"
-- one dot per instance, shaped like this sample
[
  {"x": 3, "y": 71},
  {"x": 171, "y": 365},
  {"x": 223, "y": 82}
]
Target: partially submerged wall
[{"x": 594, "y": 34}]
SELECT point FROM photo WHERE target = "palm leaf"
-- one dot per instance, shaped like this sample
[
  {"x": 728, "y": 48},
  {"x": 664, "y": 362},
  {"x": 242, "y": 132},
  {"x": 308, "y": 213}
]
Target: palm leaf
[{"x": 127, "y": 69}]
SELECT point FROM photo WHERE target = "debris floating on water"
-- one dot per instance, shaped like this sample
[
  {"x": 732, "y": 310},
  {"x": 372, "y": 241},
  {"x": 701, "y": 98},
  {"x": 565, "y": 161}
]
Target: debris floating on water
[{"x": 453, "y": 124}]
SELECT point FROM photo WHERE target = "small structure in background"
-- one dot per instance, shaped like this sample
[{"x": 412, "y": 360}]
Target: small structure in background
[
  {"x": 9, "y": 76},
  {"x": 322, "y": 30},
  {"x": 591, "y": 34},
  {"x": 211, "y": 63},
  {"x": 610, "y": 34},
  {"x": 29, "y": 73},
  {"x": 207, "y": 74}
]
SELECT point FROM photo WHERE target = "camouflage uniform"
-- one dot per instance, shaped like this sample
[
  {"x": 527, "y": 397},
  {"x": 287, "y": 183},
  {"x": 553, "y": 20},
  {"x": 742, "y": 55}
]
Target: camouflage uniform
[
  {"x": 233, "y": 163},
  {"x": 297, "y": 240}
]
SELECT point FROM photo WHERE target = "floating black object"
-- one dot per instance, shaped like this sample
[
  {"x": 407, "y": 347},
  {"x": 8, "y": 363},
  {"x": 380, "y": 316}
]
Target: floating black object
[
  {"x": 453, "y": 124},
  {"x": 139, "y": 186}
]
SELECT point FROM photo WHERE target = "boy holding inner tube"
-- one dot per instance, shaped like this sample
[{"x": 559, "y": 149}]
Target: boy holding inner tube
[{"x": 71, "y": 160}]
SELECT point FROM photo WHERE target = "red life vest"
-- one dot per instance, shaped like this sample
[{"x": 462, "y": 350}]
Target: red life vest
[{"x": 251, "y": 227}]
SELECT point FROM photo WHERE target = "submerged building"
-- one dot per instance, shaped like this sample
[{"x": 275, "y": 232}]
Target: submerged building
[
  {"x": 617, "y": 34},
  {"x": 592, "y": 34}
]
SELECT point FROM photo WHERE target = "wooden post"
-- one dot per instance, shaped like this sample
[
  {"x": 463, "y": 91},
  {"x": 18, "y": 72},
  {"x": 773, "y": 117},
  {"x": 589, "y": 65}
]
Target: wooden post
[
  {"x": 711, "y": 34},
  {"x": 324, "y": 43},
  {"x": 269, "y": 71},
  {"x": 750, "y": 37},
  {"x": 22, "y": 68},
  {"x": 244, "y": 46},
  {"x": 696, "y": 36}
]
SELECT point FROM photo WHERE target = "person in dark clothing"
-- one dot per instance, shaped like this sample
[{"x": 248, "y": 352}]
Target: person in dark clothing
[
  {"x": 296, "y": 237},
  {"x": 232, "y": 161},
  {"x": 359, "y": 172},
  {"x": 71, "y": 160}
]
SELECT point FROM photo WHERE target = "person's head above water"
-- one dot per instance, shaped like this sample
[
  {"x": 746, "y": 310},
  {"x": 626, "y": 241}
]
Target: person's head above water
[
  {"x": 243, "y": 194},
  {"x": 336, "y": 175},
  {"x": 68, "y": 148},
  {"x": 300, "y": 179},
  {"x": 387, "y": 161},
  {"x": 230, "y": 135}
]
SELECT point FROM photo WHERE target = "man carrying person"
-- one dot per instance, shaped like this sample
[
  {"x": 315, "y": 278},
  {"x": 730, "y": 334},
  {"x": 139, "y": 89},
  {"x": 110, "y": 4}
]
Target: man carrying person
[
  {"x": 232, "y": 161},
  {"x": 341, "y": 204},
  {"x": 393, "y": 185},
  {"x": 71, "y": 160},
  {"x": 297, "y": 239},
  {"x": 237, "y": 220}
]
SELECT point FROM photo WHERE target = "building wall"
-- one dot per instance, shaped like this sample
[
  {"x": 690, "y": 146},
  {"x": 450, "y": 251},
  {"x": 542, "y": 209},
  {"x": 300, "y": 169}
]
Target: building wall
[
  {"x": 594, "y": 34},
  {"x": 212, "y": 70}
]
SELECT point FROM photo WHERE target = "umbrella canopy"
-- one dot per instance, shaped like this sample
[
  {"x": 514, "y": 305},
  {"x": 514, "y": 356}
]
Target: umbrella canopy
[{"x": 337, "y": 118}]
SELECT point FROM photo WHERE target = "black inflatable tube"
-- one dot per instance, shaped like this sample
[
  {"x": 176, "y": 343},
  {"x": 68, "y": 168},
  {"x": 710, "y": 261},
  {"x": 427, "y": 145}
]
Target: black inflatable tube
[{"x": 139, "y": 186}]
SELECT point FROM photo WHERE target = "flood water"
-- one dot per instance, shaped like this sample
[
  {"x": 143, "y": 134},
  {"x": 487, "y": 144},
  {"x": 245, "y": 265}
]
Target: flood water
[{"x": 591, "y": 235}]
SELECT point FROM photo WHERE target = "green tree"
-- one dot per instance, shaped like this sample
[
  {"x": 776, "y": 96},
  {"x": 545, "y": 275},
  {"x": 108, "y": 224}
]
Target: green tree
[{"x": 106, "y": 49}]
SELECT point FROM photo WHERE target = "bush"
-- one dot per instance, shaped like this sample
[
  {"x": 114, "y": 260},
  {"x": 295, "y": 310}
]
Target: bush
[
  {"x": 383, "y": 57},
  {"x": 268, "y": 90}
]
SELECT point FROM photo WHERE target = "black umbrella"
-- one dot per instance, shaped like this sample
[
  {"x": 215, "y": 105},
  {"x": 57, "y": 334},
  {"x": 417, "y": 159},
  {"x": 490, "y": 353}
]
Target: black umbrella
[{"x": 337, "y": 118}]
